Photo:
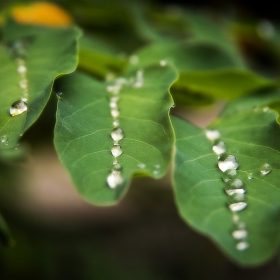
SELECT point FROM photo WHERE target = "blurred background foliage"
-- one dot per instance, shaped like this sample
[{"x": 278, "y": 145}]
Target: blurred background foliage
[{"x": 55, "y": 234}]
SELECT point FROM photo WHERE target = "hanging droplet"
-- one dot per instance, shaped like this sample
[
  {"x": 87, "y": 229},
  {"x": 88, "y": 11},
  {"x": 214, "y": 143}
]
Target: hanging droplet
[
  {"x": 59, "y": 95},
  {"x": 219, "y": 148},
  {"x": 116, "y": 150},
  {"x": 243, "y": 245},
  {"x": 18, "y": 108},
  {"x": 265, "y": 169},
  {"x": 114, "y": 179},
  {"x": 240, "y": 233},
  {"x": 212, "y": 135},
  {"x": 229, "y": 175},
  {"x": 4, "y": 139},
  {"x": 238, "y": 206},
  {"x": 227, "y": 162},
  {"x": 141, "y": 165},
  {"x": 117, "y": 134}
]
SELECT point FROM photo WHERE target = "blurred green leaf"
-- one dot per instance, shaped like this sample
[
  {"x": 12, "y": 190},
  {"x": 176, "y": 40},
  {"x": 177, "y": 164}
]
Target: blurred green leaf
[{"x": 5, "y": 236}]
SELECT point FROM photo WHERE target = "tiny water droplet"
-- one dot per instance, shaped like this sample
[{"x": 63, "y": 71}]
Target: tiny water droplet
[
  {"x": 162, "y": 63},
  {"x": 265, "y": 109},
  {"x": 250, "y": 176},
  {"x": 229, "y": 174},
  {"x": 243, "y": 245},
  {"x": 156, "y": 172},
  {"x": 115, "y": 112},
  {"x": 227, "y": 162},
  {"x": 157, "y": 166},
  {"x": 18, "y": 108},
  {"x": 117, "y": 134},
  {"x": 116, "y": 123},
  {"x": 117, "y": 166},
  {"x": 22, "y": 69},
  {"x": 4, "y": 139},
  {"x": 115, "y": 89},
  {"x": 114, "y": 179},
  {"x": 116, "y": 150},
  {"x": 219, "y": 148},
  {"x": 240, "y": 233},
  {"x": 265, "y": 169},
  {"x": 59, "y": 95},
  {"x": 113, "y": 105},
  {"x": 24, "y": 99},
  {"x": 141, "y": 165},
  {"x": 23, "y": 83},
  {"x": 238, "y": 206},
  {"x": 212, "y": 135}
]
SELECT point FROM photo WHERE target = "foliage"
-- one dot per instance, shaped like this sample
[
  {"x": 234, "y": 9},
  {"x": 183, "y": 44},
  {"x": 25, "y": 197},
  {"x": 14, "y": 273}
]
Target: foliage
[{"x": 128, "y": 72}]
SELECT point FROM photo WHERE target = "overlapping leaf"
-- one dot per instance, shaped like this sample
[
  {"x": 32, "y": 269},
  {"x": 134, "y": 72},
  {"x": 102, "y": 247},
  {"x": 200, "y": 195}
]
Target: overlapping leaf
[
  {"x": 49, "y": 52},
  {"x": 252, "y": 135},
  {"x": 84, "y": 124}
]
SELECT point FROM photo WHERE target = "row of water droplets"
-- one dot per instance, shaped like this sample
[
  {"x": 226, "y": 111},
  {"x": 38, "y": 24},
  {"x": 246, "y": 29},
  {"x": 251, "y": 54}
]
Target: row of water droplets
[
  {"x": 235, "y": 187},
  {"x": 18, "y": 52}
]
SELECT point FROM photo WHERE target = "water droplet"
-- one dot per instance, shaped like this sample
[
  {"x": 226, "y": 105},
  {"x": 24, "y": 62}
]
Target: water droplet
[
  {"x": 117, "y": 134},
  {"x": 243, "y": 245},
  {"x": 229, "y": 174},
  {"x": 265, "y": 29},
  {"x": 115, "y": 112},
  {"x": 237, "y": 196},
  {"x": 114, "y": 179},
  {"x": 113, "y": 105},
  {"x": 232, "y": 192},
  {"x": 250, "y": 176},
  {"x": 24, "y": 99},
  {"x": 116, "y": 123},
  {"x": 4, "y": 139},
  {"x": 162, "y": 63},
  {"x": 240, "y": 233},
  {"x": 265, "y": 169},
  {"x": 219, "y": 148},
  {"x": 59, "y": 95},
  {"x": 23, "y": 83},
  {"x": 116, "y": 150},
  {"x": 235, "y": 183},
  {"x": 156, "y": 172},
  {"x": 227, "y": 162},
  {"x": 18, "y": 108},
  {"x": 115, "y": 89},
  {"x": 133, "y": 59},
  {"x": 117, "y": 166},
  {"x": 139, "y": 79},
  {"x": 265, "y": 109},
  {"x": 238, "y": 206},
  {"x": 141, "y": 165},
  {"x": 22, "y": 69},
  {"x": 212, "y": 135},
  {"x": 157, "y": 166}
]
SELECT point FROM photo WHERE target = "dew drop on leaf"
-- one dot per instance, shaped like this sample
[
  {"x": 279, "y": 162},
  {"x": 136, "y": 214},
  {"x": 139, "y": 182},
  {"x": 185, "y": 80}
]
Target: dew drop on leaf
[
  {"x": 227, "y": 162},
  {"x": 114, "y": 179},
  {"x": 238, "y": 206},
  {"x": 265, "y": 169},
  {"x": 243, "y": 245},
  {"x": 240, "y": 233},
  {"x": 18, "y": 108},
  {"x": 219, "y": 148},
  {"x": 117, "y": 134},
  {"x": 229, "y": 175},
  {"x": 212, "y": 135},
  {"x": 116, "y": 150}
]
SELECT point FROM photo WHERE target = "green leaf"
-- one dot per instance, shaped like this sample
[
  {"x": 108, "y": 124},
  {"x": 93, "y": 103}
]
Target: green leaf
[
  {"x": 46, "y": 54},
  {"x": 5, "y": 236},
  {"x": 84, "y": 124},
  {"x": 253, "y": 137}
]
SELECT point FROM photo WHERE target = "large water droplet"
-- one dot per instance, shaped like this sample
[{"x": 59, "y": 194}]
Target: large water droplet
[
  {"x": 18, "y": 108},
  {"x": 212, "y": 135},
  {"x": 114, "y": 179},
  {"x": 117, "y": 134},
  {"x": 219, "y": 148},
  {"x": 238, "y": 206},
  {"x": 243, "y": 245},
  {"x": 240, "y": 233},
  {"x": 116, "y": 150},
  {"x": 265, "y": 169},
  {"x": 231, "y": 192},
  {"x": 227, "y": 162},
  {"x": 229, "y": 175}
]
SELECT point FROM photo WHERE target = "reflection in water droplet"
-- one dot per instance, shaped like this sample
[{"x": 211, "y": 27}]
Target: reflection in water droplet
[
  {"x": 212, "y": 135},
  {"x": 18, "y": 108},
  {"x": 117, "y": 134},
  {"x": 114, "y": 179},
  {"x": 227, "y": 162},
  {"x": 59, "y": 95},
  {"x": 141, "y": 165},
  {"x": 243, "y": 245},
  {"x": 219, "y": 148},
  {"x": 229, "y": 174},
  {"x": 238, "y": 206},
  {"x": 240, "y": 233},
  {"x": 116, "y": 150},
  {"x": 265, "y": 169}
]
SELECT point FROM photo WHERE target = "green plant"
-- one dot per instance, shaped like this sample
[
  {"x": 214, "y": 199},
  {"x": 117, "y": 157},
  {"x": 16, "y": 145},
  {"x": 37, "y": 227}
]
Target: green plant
[{"x": 113, "y": 120}]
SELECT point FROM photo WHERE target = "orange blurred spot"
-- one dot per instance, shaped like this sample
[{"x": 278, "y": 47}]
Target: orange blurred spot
[{"x": 41, "y": 13}]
